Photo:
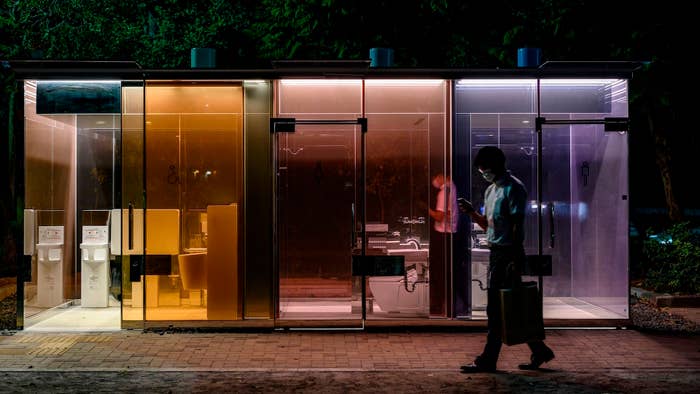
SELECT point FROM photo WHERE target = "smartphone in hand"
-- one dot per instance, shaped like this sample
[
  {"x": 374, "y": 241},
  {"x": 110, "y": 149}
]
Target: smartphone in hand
[{"x": 465, "y": 205}]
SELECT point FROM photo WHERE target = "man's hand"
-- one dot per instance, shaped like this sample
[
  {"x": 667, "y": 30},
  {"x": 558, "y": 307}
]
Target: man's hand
[{"x": 465, "y": 206}]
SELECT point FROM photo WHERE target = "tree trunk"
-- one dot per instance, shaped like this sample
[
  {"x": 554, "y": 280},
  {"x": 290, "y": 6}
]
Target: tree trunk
[{"x": 663, "y": 162}]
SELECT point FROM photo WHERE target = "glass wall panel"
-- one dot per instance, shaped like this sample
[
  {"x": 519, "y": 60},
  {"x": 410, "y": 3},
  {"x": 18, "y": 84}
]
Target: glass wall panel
[
  {"x": 127, "y": 218},
  {"x": 194, "y": 211},
  {"x": 71, "y": 159},
  {"x": 497, "y": 113},
  {"x": 584, "y": 98},
  {"x": 600, "y": 219},
  {"x": 588, "y": 230},
  {"x": 258, "y": 189},
  {"x": 407, "y": 145},
  {"x": 589, "y": 273},
  {"x": 318, "y": 210}
]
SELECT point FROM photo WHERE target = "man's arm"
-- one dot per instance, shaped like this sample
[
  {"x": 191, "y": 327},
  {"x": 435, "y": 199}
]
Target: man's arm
[
  {"x": 437, "y": 215},
  {"x": 466, "y": 207},
  {"x": 479, "y": 219}
]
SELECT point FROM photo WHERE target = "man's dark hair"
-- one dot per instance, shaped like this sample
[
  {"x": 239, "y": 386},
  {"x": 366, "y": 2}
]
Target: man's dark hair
[{"x": 490, "y": 157}]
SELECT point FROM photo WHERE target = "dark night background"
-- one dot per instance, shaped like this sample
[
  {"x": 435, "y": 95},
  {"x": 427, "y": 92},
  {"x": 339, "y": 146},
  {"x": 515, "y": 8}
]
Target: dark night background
[{"x": 437, "y": 33}]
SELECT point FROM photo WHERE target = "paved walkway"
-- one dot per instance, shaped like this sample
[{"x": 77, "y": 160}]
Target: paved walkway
[{"x": 305, "y": 361}]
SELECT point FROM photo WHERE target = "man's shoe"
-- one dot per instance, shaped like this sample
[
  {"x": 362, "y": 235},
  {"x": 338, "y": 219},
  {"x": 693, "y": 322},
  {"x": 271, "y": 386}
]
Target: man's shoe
[
  {"x": 538, "y": 359},
  {"x": 475, "y": 368}
]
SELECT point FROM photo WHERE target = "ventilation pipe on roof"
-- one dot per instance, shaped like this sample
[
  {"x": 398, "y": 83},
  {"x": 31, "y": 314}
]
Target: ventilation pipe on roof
[
  {"x": 381, "y": 57},
  {"x": 203, "y": 57},
  {"x": 529, "y": 57}
]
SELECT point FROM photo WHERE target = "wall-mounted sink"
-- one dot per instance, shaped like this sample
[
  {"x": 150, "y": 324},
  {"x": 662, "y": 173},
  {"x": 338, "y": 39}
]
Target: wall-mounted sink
[
  {"x": 193, "y": 270},
  {"x": 411, "y": 255}
]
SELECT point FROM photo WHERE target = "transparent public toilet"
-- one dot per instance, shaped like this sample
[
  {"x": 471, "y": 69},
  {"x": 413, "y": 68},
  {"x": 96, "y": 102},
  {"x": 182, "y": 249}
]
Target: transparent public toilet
[{"x": 287, "y": 198}]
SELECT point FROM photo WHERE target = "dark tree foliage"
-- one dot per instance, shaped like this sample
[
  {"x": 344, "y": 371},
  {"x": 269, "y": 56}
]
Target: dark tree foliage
[{"x": 428, "y": 33}]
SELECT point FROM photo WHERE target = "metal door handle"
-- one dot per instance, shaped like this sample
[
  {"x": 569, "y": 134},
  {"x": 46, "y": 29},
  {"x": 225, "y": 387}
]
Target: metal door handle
[
  {"x": 131, "y": 225},
  {"x": 552, "y": 235},
  {"x": 288, "y": 125},
  {"x": 352, "y": 234}
]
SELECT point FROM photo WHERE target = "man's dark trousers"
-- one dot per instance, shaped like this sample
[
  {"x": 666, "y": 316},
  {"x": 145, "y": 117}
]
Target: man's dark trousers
[{"x": 504, "y": 273}]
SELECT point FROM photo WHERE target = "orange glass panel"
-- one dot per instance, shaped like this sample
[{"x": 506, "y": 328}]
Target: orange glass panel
[{"x": 194, "y": 163}]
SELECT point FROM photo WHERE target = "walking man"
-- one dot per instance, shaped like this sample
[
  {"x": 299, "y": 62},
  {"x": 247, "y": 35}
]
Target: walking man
[{"x": 504, "y": 216}]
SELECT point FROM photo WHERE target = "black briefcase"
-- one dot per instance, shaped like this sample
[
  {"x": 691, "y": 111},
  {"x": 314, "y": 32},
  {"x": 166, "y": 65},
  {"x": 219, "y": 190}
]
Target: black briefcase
[{"x": 521, "y": 314}]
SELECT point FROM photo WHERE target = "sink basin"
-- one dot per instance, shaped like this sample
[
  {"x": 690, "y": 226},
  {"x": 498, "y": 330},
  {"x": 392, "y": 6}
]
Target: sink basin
[
  {"x": 193, "y": 270},
  {"x": 412, "y": 255}
]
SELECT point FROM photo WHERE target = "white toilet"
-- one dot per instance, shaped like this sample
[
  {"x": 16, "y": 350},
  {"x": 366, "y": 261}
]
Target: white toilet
[
  {"x": 480, "y": 267},
  {"x": 391, "y": 296}
]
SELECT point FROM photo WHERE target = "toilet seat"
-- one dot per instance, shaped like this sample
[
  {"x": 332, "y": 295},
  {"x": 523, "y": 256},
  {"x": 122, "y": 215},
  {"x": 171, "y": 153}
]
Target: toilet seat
[
  {"x": 390, "y": 295},
  {"x": 386, "y": 278}
]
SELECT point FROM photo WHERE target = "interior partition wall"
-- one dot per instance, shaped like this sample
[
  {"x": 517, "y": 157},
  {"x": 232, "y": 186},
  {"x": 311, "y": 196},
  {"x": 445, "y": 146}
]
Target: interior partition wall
[{"x": 577, "y": 187}]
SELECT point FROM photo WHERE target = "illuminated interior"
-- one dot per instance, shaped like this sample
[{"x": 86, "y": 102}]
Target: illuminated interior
[
  {"x": 74, "y": 282},
  {"x": 321, "y": 200},
  {"x": 136, "y": 209},
  {"x": 584, "y": 196},
  {"x": 194, "y": 188}
]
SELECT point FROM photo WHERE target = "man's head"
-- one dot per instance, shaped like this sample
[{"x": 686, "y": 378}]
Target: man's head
[
  {"x": 491, "y": 162},
  {"x": 438, "y": 180}
]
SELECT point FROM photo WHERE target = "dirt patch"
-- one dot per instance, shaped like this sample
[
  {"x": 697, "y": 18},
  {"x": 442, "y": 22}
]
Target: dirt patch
[
  {"x": 645, "y": 315},
  {"x": 346, "y": 382},
  {"x": 8, "y": 312}
]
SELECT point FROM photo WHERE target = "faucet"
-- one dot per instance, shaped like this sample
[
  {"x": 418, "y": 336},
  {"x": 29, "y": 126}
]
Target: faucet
[{"x": 414, "y": 242}]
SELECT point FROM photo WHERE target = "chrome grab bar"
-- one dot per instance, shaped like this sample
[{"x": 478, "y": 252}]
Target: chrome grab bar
[
  {"x": 131, "y": 225},
  {"x": 552, "y": 235},
  {"x": 352, "y": 234}
]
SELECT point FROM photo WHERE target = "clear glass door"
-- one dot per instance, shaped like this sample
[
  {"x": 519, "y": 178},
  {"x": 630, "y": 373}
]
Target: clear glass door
[
  {"x": 319, "y": 209},
  {"x": 584, "y": 199},
  {"x": 319, "y": 218}
]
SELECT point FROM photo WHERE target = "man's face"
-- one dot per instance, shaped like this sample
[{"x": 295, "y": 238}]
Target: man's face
[
  {"x": 487, "y": 174},
  {"x": 438, "y": 181}
]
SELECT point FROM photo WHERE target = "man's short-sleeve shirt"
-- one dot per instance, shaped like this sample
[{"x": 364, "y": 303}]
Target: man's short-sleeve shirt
[{"x": 505, "y": 201}]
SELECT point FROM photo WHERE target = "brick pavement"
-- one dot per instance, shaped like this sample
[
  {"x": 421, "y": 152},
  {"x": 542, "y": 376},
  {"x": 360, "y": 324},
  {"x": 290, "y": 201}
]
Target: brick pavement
[{"x": 576, "y": 350}]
